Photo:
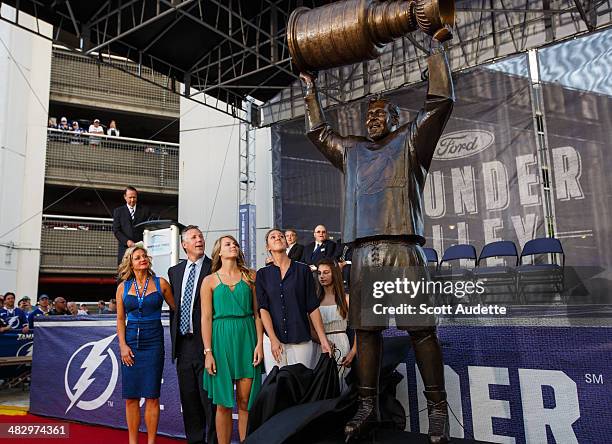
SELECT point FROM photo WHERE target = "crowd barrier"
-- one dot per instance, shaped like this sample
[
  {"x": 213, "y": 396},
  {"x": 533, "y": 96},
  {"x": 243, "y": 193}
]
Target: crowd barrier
[
  {"x": 506, "y": 383},
  {"x": 14, "y": 344}
]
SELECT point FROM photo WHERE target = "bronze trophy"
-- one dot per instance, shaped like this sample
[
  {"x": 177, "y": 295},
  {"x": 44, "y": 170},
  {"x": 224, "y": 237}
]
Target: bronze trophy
[
  {"x": 352, "y": 31},
  {"x": 384, "y": 175}
]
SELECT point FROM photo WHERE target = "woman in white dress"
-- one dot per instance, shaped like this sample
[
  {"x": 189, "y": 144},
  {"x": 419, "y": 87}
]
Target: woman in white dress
[{"x": 334, "y": 311}]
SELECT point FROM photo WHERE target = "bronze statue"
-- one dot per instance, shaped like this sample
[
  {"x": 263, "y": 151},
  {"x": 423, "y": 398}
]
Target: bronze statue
[{"x": 384, "y": 177}]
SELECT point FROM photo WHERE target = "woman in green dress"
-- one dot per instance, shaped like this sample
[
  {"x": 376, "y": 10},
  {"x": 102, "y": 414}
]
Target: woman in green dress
[{"x": 232, "y": 333}]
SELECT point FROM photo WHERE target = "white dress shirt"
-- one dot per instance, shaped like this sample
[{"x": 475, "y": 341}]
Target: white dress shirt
[{"x": 198, "y": 268}]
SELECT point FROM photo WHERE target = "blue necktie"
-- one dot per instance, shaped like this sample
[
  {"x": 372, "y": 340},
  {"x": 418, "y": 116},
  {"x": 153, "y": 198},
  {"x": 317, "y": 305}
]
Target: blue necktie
[
  {"x": 315, "y": 252},
  {"x": 186, "y": 301}
]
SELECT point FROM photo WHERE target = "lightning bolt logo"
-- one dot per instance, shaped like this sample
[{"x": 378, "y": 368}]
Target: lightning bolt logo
[
  {"x": 25, "y": 349},
  {"x": 97, "y": 355},
  {"x": 13, "y": 322}
]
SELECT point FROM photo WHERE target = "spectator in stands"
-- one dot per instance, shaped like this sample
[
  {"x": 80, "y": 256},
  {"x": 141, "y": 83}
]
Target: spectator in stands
[
  {"x": 112, "y": 306},
  {"x": 83, "y": 310},
  {"x": 1, "y": 300},
  {"x": 25, "y": 304},
  {"x": 294, "y": 250},
  {"x": 76, "y": 139},
  {"x": 52, "y": 123},
  {"x": 125, "y": 219},
  {"x": 13, "y": 316},
  {"x": 63, "y": 124},
  {"x": 102, "y": 307},
  {"x": 112, "y": 129},
  {"x": 95, "y": 130},
  {"x": 43, "y": 304},
  {"x": 320, "y": 248},
  {"x": 59, "y": 307},
  {"x": 72, "y": 308},
  {"x": 43, "y": 309}
]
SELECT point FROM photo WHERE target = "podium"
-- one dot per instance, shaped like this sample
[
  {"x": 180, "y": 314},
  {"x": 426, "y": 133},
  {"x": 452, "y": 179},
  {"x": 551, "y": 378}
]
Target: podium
[{"x": 162, "y": 239}]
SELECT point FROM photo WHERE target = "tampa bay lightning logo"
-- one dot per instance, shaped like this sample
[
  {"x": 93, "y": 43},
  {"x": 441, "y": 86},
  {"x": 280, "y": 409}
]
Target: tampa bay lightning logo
[
  {"x": 78, "y": 393},
  {"x": 25, "y": 349},
  {"x": 13, "y": 322}
]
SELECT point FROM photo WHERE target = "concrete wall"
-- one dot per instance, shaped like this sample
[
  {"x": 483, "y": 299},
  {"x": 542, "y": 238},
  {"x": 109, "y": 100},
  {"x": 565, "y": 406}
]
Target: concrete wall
[
  {"x": 208, "y": 174},
  {"x": 25, "y": 65}
]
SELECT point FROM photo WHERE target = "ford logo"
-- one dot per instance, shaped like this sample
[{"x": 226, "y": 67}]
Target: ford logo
[{"x": 459, "y": 144}]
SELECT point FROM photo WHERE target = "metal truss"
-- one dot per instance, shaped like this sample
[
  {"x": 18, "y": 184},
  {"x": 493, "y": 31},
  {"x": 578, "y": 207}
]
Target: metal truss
[
  {"x": 486, "y": 31},
  {"x": 226, "y": 50},
  {"x": 243, "y": 46}
]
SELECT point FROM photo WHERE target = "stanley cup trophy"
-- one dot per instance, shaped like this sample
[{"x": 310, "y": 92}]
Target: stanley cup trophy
[{"x": 384, "y": 173}]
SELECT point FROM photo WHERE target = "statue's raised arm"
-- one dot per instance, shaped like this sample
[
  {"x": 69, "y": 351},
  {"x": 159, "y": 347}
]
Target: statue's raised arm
[
  {"x": 331, "y": 144},
  {"x": 427, "y": 127}
]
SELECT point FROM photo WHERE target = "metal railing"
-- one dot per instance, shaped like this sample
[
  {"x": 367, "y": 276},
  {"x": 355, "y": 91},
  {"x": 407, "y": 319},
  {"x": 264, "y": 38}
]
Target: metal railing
[
  {"x": 81, "y": 79},
  {"x": 100, "y": 161},
  {"x": 77, "y": 245}
]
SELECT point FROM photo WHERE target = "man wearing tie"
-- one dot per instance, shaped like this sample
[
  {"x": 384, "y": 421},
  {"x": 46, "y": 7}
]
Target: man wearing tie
[
  {"x": 186, "y": 333},
  {"x": 125, "y": 219},
  {"x": 320, "y": 248}
]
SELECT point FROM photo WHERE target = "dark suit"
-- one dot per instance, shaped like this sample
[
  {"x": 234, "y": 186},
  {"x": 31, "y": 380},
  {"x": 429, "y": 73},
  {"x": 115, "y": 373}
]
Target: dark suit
[
  {"x": 296, "y": 252},
  {"x": 124, "y": 227},
  {"x": 348, "y": 256},
  {"x": 312, "y": 257},
  {"x": 188, "y": 350}
]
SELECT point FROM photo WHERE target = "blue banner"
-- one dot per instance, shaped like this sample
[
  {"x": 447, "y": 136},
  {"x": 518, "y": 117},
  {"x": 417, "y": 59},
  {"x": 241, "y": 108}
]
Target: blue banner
[
  {"x": 505, "y": 384},
  {"x": 14, "y": 343},
  {"x": 511, "y": 384},
  {"x": 76, "y": 374},
  {"x": 247, "y": 234}
]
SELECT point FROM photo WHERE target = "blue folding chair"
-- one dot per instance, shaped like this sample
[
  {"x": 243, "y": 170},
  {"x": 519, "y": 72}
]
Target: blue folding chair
[
  {"x": 432, "y": 261},
  {"x": 455, "y": 253},
  {"x": 498, "y": 280},
  {"x": 431, "y": 255},
  {"x": 455, "y": 273},
  {"x": 546, "y": 277}
]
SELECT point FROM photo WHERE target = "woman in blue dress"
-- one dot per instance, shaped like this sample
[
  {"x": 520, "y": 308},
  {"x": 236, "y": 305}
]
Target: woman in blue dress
[{"x": 140, "y": 296}]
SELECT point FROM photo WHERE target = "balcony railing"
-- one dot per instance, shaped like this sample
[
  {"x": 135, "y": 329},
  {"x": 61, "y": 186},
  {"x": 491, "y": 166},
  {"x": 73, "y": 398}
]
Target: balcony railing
[
  {"x": 111, "y": 162},
  {"x": 83, "y": 80},
  {"x": 78, "y": 245}
]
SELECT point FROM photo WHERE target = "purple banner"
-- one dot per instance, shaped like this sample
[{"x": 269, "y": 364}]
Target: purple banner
[
  {"x": 512, "y": 384},
  {"x": 506, "y": 384},
  {"x": 76, "y": 374}
]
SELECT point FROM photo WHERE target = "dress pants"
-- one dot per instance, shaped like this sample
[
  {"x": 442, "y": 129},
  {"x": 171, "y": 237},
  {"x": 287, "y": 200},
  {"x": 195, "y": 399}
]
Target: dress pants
[{"x": 198, "y": 409}]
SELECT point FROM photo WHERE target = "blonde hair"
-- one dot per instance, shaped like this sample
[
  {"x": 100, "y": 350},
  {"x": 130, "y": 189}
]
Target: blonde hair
[
  {"x": 125, "y": 271},
  {"x": 240, "y": 262}
]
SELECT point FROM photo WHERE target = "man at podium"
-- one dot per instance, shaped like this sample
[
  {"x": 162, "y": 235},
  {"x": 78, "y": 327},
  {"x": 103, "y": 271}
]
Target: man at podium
[{"x": 125, "y": 221}]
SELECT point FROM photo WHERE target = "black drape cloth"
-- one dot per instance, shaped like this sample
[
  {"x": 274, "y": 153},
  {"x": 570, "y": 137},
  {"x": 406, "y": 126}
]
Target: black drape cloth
[
  {"x": 294, "y": 385},
  {"x": 299, "y": 405}
]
